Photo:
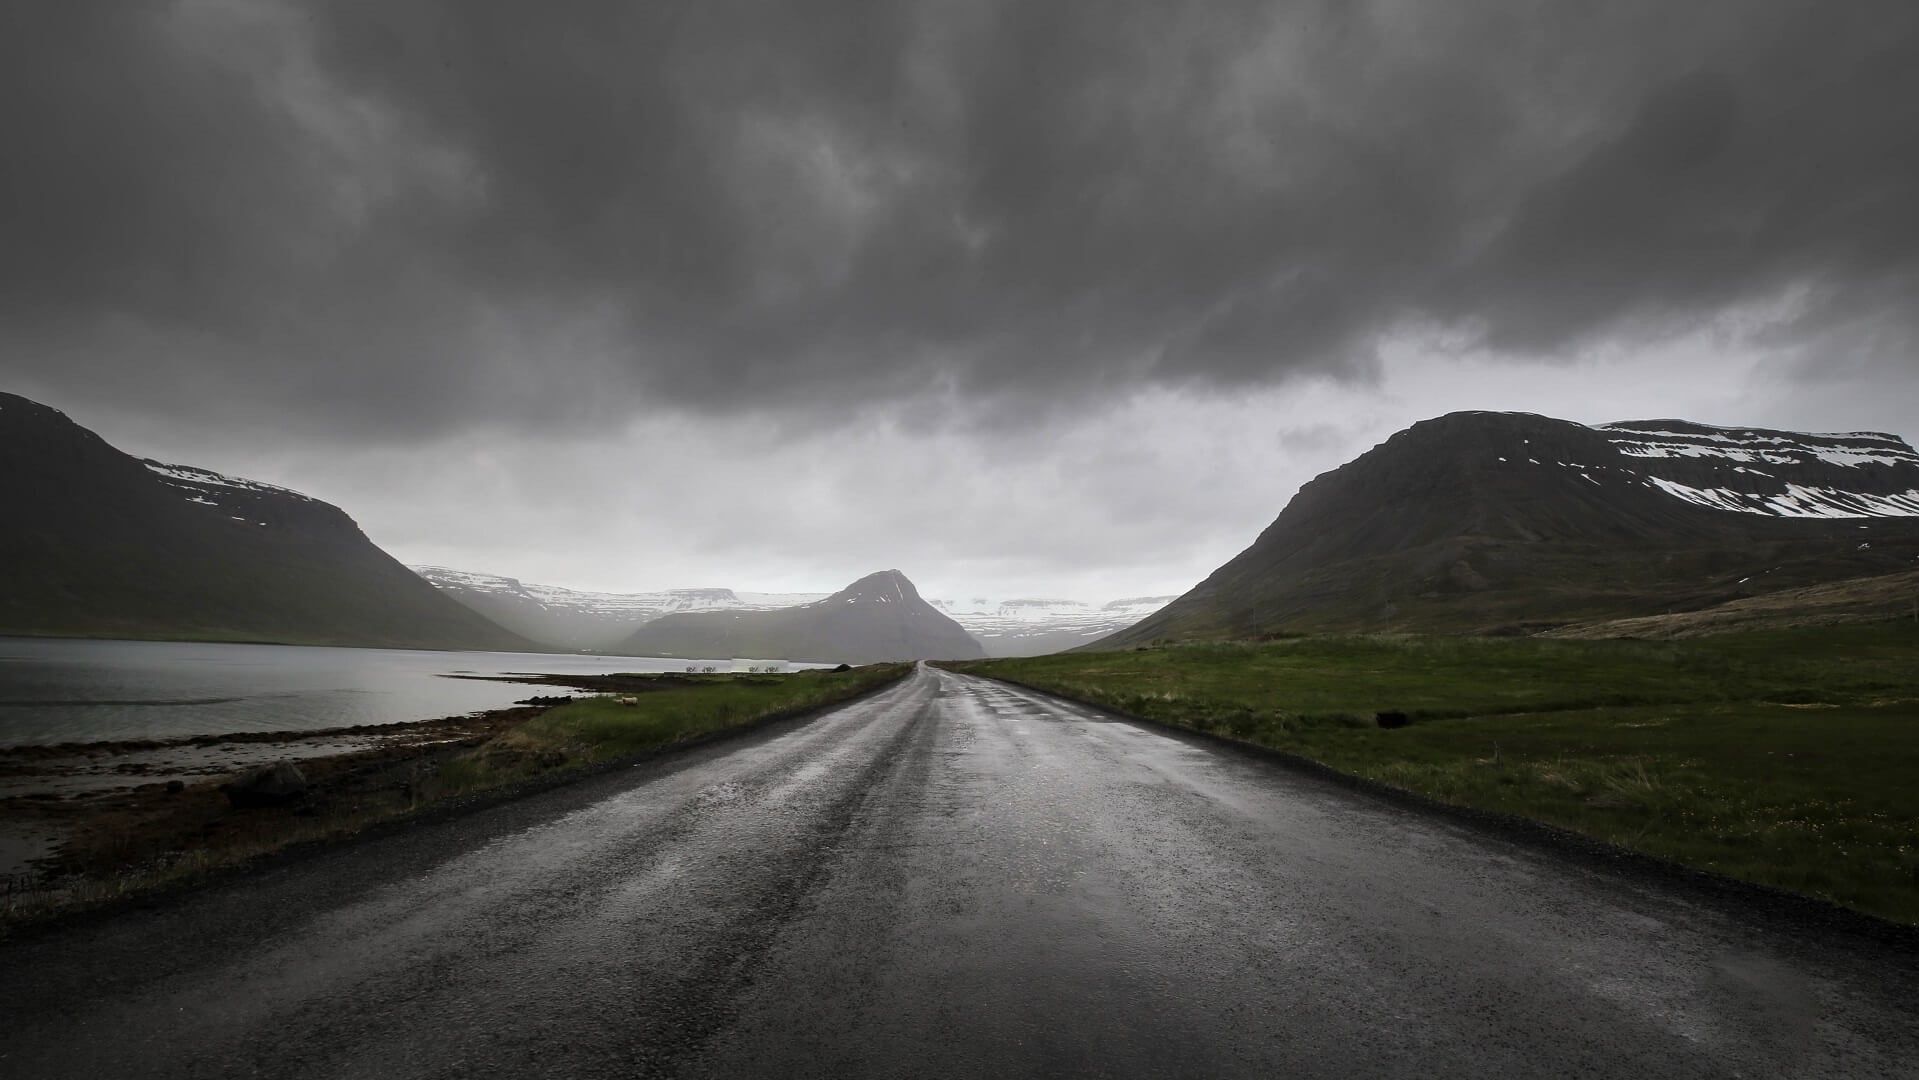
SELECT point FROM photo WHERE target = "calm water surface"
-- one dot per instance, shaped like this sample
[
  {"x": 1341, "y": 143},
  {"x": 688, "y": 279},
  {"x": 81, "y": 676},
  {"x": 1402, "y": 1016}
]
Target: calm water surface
[{"x": 54, "y": 690}]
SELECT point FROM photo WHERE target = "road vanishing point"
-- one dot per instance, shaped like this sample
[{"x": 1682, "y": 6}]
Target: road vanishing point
[{"x": 954, "y": 878}]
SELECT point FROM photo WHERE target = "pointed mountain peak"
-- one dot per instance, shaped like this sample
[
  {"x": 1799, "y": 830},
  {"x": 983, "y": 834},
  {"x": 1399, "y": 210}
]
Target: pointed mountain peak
[
  {"x": 879, "y": 617},
  {"x": 886, "y": 586}
]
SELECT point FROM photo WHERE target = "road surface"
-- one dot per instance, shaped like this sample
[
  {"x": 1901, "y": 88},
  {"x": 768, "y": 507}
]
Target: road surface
[{"x": 950, "y": 878}]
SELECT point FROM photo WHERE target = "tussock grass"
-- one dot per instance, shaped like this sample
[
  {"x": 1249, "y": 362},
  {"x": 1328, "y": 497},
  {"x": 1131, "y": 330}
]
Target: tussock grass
[{"x": 1787, "y": 757}]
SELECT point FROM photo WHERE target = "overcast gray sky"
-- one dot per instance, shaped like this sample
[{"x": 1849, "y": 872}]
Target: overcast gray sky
[{"x": 1019, "y": 296}]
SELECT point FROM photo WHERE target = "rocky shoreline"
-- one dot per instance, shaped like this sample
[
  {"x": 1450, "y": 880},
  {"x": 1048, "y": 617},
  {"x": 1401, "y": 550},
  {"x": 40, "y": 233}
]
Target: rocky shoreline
[{"x": 92, "y": 810}]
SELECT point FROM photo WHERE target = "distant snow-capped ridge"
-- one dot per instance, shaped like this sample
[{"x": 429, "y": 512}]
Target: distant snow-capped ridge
[
  {"x": 1043, "y": 610},
  {"x": 579, "y": 619},
  {"x": 644, "y": 606},
  {"x": 1028, "y": 626}
]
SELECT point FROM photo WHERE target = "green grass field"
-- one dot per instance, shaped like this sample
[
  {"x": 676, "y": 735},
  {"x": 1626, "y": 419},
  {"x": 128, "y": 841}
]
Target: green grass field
[
  {"x": 601, "y": 729},
  {"x": 1789, "y": 758}
]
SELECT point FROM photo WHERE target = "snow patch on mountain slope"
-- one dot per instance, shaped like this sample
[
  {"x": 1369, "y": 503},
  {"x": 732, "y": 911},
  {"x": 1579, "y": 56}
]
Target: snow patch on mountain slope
[
  {"x": 1849, "y": 474},
  {"x": 196, "y": 482},
  {"x": 238, "y": 498},
  {"x": 1798, "y": 500},
  {"x": 1846, "y": 449}
]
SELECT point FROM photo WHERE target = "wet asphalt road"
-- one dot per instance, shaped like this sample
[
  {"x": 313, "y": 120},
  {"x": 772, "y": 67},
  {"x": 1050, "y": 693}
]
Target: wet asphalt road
[{"x": 951, "y": 878}]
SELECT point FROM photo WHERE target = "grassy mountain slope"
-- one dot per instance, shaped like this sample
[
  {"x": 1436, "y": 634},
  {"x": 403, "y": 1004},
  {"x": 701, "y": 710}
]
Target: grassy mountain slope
[
  {"x": 1886, "y": 598},
  {"x": 1503, "y": 522}
]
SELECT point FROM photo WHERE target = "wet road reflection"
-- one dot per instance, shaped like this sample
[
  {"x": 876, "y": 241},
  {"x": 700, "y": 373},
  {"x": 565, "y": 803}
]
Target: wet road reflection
[{"x": 950, "y": 878}]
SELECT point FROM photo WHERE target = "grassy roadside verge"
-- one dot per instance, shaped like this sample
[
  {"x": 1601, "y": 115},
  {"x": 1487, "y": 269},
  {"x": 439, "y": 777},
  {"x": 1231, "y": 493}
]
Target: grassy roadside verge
[
  {"x": 680, "y": 708},
  {"x": 1787, "y": 758},
  {"x": 156, "y": 841}
]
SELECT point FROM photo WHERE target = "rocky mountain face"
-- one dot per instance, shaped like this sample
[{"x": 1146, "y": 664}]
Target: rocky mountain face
[
  {"x": 1514, "y": 523},
  {"x": 1035, "y": 626},
  {"x": 98, "y": 543},
  {"x": 588, "y": 621},
  {"x": 877, "y": 618}
]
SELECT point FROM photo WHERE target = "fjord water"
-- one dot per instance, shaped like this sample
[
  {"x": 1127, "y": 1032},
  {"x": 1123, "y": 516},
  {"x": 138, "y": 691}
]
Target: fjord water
[{"x": 57, "y": 690}]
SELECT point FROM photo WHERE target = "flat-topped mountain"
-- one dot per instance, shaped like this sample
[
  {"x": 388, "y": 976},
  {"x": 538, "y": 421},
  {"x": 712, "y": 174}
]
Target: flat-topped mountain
[
  {"x": 98, "y": 543},
  {"x": 1511, "y": 522},
  {"x": 576, "y": 619},
  {"x": 879, "y": 617}
]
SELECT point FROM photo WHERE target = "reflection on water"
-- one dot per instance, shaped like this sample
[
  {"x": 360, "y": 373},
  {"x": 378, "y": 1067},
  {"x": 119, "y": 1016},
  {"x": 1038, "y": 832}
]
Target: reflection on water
[{"x": 56, "y": 690}]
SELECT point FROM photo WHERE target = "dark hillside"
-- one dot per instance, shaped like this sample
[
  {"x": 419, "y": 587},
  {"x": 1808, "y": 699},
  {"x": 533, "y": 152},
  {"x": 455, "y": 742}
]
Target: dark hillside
[
  {"x": 1509, "y": 522},
  {"x": 97, "y": 543}
]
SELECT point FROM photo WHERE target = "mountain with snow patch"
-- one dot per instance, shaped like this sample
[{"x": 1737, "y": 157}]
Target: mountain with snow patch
[
  {"x": 97, "y": 543},
  {"x": 1516, "y": 523}
]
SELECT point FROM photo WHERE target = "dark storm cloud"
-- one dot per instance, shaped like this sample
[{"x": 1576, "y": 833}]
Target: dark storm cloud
[
  {"x": 400, "y": 212},
  {"x": 1790, "y": 162},
  {"x": 138, "y": 176}
]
